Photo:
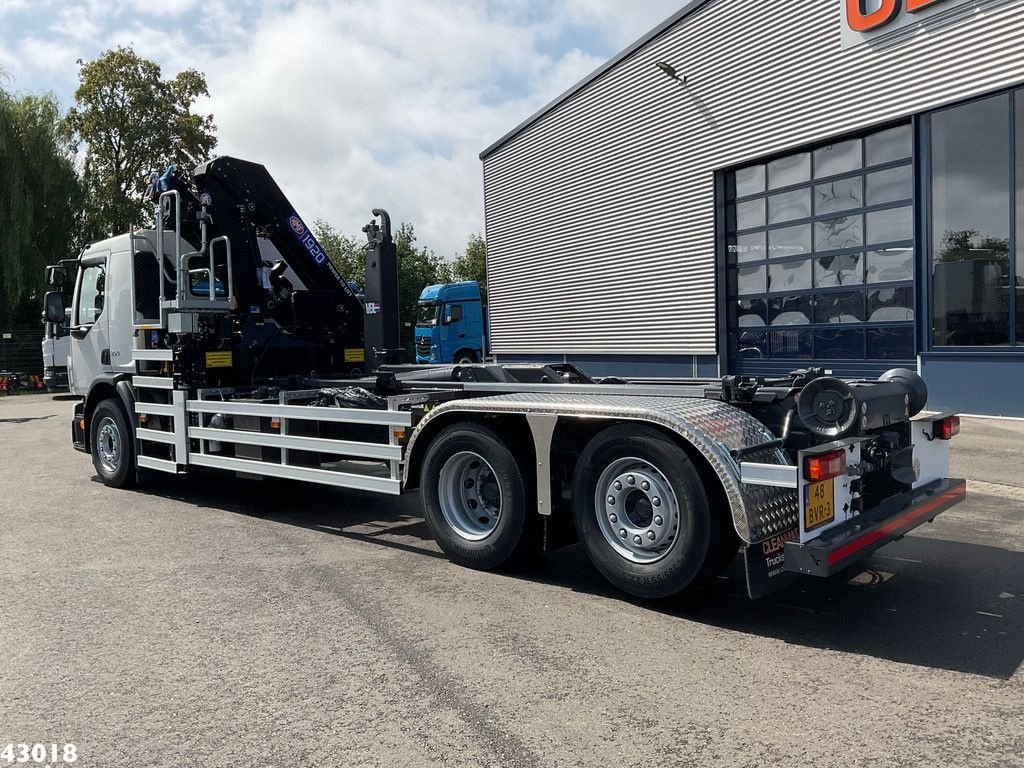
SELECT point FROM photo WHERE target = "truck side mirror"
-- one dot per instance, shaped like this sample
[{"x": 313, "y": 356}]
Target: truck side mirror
[
  {"x": 53, "y": 307},
  {"x": 447, "y": 314},
  {"x": 56, "y": 276}
]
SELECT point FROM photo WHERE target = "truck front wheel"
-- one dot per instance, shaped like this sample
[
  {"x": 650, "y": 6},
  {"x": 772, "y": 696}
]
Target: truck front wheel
[
  {"x": 642, "y": 513},
  {"x": 474, "y": 497},
  {"x": 113, "y": 447}
]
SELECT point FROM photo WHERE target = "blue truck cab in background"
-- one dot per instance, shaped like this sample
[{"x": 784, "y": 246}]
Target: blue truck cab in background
[{"x": 450, "y": 324}]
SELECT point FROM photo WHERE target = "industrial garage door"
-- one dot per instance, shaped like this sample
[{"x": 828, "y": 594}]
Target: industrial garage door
[{"x": 820, "y": 258}]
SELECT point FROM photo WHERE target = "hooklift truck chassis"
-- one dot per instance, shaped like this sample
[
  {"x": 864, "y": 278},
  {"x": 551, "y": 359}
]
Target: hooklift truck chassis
[{"x": 662, "y": 481}]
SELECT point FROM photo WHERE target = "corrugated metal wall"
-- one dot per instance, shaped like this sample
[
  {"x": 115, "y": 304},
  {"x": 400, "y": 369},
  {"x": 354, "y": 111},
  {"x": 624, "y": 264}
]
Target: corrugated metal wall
[{"x": 600, "y": 216}]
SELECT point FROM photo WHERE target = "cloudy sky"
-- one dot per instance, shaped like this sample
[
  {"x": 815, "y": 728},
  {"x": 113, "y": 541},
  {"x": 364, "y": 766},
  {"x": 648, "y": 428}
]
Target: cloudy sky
[{"x": 351, "y": 104}]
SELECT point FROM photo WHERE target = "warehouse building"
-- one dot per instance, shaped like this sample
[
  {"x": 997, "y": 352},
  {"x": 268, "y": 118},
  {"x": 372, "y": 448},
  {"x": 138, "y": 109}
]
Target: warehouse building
[{"x": 755, "y": 187}]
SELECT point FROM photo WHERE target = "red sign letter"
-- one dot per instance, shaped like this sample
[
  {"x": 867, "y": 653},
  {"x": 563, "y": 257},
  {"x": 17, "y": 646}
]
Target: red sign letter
[{"x": 862, "y": 21}]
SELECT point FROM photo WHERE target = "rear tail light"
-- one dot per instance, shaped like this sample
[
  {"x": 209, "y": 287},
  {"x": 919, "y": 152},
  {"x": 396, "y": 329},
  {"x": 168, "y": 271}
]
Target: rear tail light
[
  {"x": 825, "y": 466},
  {"x": 947, "y": 428}
]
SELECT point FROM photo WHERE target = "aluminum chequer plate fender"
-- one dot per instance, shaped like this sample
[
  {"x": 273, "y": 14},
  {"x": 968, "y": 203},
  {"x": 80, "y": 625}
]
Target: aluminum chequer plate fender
[{"x": 713, "y": 428}]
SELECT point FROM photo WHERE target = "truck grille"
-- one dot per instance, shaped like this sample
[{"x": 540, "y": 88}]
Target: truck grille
[{"x": 423, "y": 346}]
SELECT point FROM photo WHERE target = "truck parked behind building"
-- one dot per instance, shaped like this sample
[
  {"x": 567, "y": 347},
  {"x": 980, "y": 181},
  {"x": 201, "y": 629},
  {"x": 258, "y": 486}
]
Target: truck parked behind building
[{"x": 450, "y": 324}]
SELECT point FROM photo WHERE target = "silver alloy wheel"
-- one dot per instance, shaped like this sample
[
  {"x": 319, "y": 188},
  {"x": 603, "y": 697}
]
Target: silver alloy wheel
[
  {"x": 637, "y": 510},
  {"x": 470, "y": 496},
  {"x": 108, "y": 444}
]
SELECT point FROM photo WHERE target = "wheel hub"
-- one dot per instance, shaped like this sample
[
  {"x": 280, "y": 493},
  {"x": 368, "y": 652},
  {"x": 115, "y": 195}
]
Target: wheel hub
[
  {"x": 470, "y": 496},
  {"x": 637, "y": 510},
  {"x": 108, "y": 445}
]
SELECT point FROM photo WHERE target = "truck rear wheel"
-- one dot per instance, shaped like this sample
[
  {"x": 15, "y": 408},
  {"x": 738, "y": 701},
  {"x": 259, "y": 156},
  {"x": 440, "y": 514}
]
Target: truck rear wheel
[
  {"x": 113, "y": 446},
  {"x": 642, "y": 513},
  {"x": 474, "y": 497}
]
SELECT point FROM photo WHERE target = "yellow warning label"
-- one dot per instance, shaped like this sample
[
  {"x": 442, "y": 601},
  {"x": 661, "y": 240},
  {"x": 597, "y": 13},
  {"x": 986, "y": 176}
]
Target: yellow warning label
[
  {"x": 218, "y": 359},
  {"x": 355, "y": 356}
]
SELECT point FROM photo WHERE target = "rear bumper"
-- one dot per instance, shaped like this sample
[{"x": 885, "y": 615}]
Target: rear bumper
[{"x": 854, "y": 540}]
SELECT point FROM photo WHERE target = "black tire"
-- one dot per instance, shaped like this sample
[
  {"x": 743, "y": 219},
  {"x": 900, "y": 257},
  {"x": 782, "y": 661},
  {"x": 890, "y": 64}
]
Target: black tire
[
  {"x": 113, "y": 445},
  {"x": 465, "y": 357},
  {"x": 499, "y": 539},
  {"x": 683, "y": 558}
]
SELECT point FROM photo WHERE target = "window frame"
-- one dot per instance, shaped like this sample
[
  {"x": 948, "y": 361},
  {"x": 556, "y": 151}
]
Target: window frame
[
  {"x": 923, "y": 143},
  {"x": 84, "y": 267}
]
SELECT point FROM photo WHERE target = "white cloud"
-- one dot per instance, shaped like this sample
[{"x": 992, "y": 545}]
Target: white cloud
[{"x": 356, "y": 104}]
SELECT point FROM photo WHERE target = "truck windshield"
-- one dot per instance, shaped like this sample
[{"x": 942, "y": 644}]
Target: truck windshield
[{"x": 426, "y": 315}]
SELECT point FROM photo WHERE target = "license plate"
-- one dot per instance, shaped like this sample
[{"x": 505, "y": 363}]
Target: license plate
[{"x": 820, "y": 506}]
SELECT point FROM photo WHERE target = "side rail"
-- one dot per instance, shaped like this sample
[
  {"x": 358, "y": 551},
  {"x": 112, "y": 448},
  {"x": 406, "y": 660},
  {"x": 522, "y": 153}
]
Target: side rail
[{"x": 343, "y": 447}]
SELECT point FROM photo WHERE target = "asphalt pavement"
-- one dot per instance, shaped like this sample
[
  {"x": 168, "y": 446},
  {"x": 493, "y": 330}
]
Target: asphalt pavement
[{"x": 211, "y": 621}]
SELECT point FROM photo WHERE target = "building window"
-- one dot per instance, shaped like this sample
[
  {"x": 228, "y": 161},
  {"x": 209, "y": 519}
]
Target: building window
[
  {"x": 820, "y": 256},
  {"x": 976, "y": 160}
]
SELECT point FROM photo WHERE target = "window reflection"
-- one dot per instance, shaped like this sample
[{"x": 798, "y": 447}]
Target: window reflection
[
  {"x": 888, "y": 146},
  {"x": 838, "y": 196},
  {"x": 890, "y": 225},
  {"x": 750, "y": 181},
  {"x": 890, "y": 343},
  {"x": 750, "y": 214},
  {"x": 839, "y": 308},
  {"x": 840, "y": 232},
  {"x": 789, "y": 276},
  {"x": 750, "y": 280},
  {"x": 786, "y": 171},
  {"x": 890, "y": 185},
  {"x": 788, "y": 206},
  {"x": 796, "y": 345},
  {"x": 889, "y": 305},
  {"x": 971, "y": 223},
  {"x": 789, "y": 241},
  {"x": 841, "y": 269},
  {"x": 789, "y": 310},
  {"x": 890, "y": 265},
  {"x": 837, "y": 158},
  {"x": 750, "y": 247},
  {"x": 839, "y": 345},
  {"x": 751, "y": 313}
]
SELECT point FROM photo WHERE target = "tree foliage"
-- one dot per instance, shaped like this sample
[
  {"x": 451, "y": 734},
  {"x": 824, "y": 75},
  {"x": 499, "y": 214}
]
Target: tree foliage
[
  {"x": 966, "y": 244},
  {"x": 346, "y": 253},
  {"x": 417, "y": 268},
  {"x": 133, "y": 122},
  {"x": 40, "y": 201},
  {"x": 472, "y": 264}
]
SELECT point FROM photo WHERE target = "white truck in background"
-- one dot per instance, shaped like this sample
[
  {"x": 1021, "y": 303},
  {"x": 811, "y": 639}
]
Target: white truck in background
[{"x": 56, "y": 352}]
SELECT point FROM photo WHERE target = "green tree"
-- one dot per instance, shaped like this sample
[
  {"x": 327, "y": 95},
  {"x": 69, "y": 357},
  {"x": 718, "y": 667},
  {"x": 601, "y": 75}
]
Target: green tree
[
  {"x": 348, "y": 254},
  {"x": 40, "y": 202},
  {"x": 966, "y": 244},
  {"x": 133, "y": 122},
  {"x": 472, "y": 264}
]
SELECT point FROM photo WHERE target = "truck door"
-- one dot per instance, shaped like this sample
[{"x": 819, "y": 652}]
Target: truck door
[
  {"x": 453, "y": 331},
  {"x": 90, "y": 347}
]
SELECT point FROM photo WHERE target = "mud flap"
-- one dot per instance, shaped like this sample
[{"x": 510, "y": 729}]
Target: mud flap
[{"x": 765, "y": 564}]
